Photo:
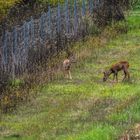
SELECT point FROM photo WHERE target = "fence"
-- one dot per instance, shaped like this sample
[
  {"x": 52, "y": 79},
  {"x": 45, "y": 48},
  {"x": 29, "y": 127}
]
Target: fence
[{"x": 58, "y": 25}]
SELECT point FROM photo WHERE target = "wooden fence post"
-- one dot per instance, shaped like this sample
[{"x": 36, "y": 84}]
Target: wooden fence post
[
  {"x": 49, "y": 22},
  {"x": 83, "y": 8},
  {"x": 32, "y": 33},
  {"x": 91, "y": 6},
  {"x": 75, "y": 18},
  {"x": 4, "y": 50},
  {"x": 58, "y": 19},
  {"x": 13, "y": 52},
  {"x": 67, "y": 16}
]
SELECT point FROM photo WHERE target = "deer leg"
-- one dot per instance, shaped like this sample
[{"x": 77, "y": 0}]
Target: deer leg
[
  {"x": 128, "y": 74},
  {"x": 125, "y": 75},
  {"x": 69, "y": 74},
  {"x": 66, "y": 74},
  {"x": 117, "y": 76},
  {"x": 114, "y": 76}
]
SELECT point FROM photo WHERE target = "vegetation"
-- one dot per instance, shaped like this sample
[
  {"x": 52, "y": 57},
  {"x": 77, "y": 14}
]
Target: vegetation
[
  {"x": 112, "y": 9},
  {"x": 6, "y": 5},
  {"x": 85, "y": 108},
  {"x": 15, "y": 12}
]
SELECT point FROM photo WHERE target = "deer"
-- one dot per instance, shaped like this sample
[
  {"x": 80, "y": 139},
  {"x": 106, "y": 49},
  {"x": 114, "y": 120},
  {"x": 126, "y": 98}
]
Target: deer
[
  {"x": 67, "y": 65},
  {"x": 114, "y": 69}
]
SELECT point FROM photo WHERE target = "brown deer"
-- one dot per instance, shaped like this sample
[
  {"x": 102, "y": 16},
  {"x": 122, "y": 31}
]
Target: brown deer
[
  {"x": 122, "y": 65},
  {"x": 67, "y": 65}
]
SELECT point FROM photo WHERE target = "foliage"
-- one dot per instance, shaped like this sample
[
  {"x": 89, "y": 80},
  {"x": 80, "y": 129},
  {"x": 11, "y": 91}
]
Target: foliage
[
  {"x": 4, "y": 7},
  {"x": 135, "y": 4}
]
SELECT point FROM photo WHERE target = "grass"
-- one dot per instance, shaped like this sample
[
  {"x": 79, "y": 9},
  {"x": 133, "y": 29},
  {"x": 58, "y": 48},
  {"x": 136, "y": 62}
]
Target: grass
[{"x": 84, "y": 108}]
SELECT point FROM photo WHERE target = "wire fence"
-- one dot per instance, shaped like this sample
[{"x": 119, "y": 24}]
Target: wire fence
[{"x": 38, "y": 39}]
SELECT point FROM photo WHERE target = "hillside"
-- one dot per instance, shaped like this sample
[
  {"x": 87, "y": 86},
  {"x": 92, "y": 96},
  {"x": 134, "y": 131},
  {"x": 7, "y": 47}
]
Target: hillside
[{"x": 85, "y": 108}]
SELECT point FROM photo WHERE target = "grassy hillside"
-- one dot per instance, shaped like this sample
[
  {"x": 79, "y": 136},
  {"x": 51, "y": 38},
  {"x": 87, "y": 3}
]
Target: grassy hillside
[{"x": 85, "y": 108}]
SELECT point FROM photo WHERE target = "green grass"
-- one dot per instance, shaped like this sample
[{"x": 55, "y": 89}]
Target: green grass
[{"x": 84, "y": 108}]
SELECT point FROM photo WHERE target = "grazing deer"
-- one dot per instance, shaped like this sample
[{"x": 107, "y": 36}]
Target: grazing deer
[
  {"x": 67, "y": 66},
  {"x": 122, "y": 65}
]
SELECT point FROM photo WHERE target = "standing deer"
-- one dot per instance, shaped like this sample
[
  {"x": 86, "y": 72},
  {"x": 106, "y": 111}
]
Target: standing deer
[
  {"x": 122, "y": 65},
  {"x": 67, "y": 65}
]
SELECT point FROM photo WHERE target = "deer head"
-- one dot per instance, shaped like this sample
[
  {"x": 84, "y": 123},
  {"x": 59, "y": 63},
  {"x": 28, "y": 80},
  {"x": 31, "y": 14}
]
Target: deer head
[
  {"x": 106, "y": 75},
  {"x": 71, "y": 57}
]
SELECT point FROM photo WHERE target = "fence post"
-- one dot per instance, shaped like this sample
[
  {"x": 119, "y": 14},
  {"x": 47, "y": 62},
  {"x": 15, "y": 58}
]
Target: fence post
[
  {"x": 14, "y": 52},
  {"x": 75, "y": 18},
  {"x": 91, "y": 6},
  {"x": 42, "y": 28},
  {"x": 67, "y": 16},
  {"x": 98, "y": 2},
  {"x": 83, "y": 8},
  {"x": 26, "y": 46},
  {"x": 49, "y": 20},
  {"x": 32, "y": 32},
  {"x": 26, "y": 34},
  {"x": 4, "y": 51},
  {"x": 58, "y": 19}
]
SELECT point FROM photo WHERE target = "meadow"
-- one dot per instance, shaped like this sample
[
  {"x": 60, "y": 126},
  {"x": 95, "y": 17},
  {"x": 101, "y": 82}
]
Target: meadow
[{"x": 85, "y": 108}]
